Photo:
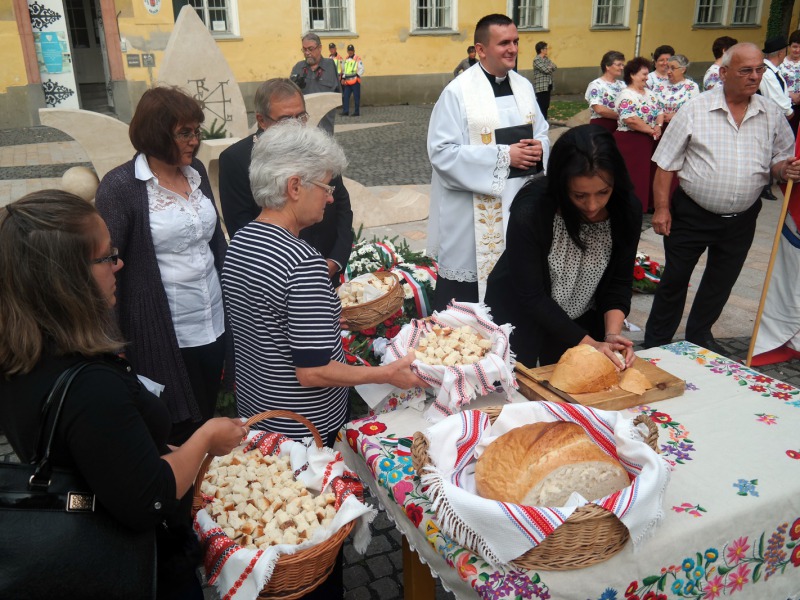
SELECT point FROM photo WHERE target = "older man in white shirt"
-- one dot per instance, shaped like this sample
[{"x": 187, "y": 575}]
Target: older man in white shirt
[{"x": 723, "y": 144}]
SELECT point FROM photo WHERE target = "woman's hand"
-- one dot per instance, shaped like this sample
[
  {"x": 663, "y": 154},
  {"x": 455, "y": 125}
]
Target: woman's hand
[
  {"x": 615, "y": 343},
  {"x": 401, "y": 376},
  {"x": 224, "y": 434}
]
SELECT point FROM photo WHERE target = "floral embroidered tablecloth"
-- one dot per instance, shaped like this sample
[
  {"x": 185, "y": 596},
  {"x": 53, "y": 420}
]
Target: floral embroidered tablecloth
[{"x": 732, "y": 525}]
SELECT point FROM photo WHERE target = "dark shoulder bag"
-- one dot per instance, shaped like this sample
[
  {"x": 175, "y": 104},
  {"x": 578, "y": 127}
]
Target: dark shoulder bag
[{"x": 56, "y": 540}]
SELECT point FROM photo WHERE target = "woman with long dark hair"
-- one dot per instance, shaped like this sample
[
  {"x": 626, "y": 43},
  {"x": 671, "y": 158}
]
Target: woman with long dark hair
[{"x": 565, "y": 276}]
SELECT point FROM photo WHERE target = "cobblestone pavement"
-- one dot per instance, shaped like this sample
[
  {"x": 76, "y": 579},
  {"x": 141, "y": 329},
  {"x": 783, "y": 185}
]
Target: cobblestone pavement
[{"x": 388, "y": 155}]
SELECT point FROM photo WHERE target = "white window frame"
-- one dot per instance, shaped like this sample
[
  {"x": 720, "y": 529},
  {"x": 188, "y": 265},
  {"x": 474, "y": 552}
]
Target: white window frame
[
  {"x": 754, "y": 5},
  {"x": 350, "y": 16},
  {"x": 545, "y": 7},
  {"x": 450, "y": 27},
  {"x": 625, "y": 8},
  {"x": 232, "y": 8},
  {"x": 721, "y": 5}
]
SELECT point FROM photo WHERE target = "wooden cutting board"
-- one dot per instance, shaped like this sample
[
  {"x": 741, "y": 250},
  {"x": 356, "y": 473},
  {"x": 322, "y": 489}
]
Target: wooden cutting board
[{"x": 665, "y": 385}]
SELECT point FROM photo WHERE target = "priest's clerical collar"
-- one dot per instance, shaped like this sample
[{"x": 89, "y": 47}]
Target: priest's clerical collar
[{"x": 500, "y": 85}]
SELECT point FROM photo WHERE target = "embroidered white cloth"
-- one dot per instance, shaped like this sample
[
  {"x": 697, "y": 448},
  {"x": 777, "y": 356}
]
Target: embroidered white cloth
[
  {"x": 501, "y": 532},
  {"x": 457, "y": 385},
  {"x": 240, "y": 573}
]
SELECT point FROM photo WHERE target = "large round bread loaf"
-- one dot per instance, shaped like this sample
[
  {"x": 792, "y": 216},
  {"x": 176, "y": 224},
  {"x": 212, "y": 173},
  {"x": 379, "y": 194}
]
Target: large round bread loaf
[
  {"x": 582, "y": 369},
  {"x": 541, "y": 464}
]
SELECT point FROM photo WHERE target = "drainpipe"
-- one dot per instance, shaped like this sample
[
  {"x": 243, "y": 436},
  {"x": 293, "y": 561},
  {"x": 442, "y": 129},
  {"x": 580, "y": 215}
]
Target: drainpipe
[{"x": 639, "y": 16}]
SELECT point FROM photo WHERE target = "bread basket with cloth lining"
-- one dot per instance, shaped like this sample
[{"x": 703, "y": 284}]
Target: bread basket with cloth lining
[
  {"x": 546, "y": 538},
  {"x": 285, "y": 571},
  {"x": 457, "y": 385},
  {"x": 369, "y": 314}
]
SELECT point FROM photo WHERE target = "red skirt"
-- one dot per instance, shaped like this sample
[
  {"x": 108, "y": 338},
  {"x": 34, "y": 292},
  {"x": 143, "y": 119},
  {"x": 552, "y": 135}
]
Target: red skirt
[
  {"x": 637, "y": 150},
  {"x": 609, "y": 124}
]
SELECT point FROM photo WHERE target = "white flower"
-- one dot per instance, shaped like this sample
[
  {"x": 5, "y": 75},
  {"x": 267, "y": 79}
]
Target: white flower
[{"x": 408, "y": 293}]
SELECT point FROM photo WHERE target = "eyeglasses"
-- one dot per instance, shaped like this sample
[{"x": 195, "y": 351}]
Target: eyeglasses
[
  {"x": 186, "y": 135},
  {"x": 310, "y": 50},
  {"x": 112, "y": 258},
  {"x": 329, "y": 189},
  {"x": 302, "y": 117},
  {"x": 747, "y": 71},
  {"x": 671, "y": 68}
]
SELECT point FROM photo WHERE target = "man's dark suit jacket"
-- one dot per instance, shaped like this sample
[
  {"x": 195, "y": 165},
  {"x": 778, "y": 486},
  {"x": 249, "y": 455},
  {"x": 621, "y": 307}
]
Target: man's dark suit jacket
[{"x": 332, "y": 237}]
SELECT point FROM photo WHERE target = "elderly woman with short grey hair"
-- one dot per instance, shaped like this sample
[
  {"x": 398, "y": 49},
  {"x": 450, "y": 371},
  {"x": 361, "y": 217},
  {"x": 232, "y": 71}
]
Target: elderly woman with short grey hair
[
  {"x": 283, "y": 311},
  {"x": 680, "y": 89}
]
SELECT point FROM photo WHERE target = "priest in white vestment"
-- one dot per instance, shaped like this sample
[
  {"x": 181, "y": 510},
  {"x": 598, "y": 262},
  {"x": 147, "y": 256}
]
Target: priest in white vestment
[{"x": 471, "y": 191}]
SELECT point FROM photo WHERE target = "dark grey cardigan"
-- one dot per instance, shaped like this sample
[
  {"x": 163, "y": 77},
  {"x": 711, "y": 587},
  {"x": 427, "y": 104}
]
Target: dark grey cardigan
[{"x": 142, "y": 305}]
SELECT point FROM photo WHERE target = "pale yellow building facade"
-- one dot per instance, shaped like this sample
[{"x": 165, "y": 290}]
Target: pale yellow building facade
[{"x": 409, "y": 47}]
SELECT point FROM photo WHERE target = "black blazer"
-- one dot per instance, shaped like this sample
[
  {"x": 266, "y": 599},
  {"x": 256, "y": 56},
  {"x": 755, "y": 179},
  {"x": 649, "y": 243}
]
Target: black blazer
[
  {"x": 519, "y": 288},
  {"x": 332, "y": 237}
]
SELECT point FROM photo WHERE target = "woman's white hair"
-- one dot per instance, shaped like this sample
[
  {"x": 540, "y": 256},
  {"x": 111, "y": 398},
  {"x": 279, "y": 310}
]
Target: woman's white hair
[{"x": 289, "y": 149}]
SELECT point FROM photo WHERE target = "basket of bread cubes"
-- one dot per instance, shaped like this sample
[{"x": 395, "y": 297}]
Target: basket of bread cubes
[
  {"x": 370, "y": 299},
  {"x": 273, "y": 514},
  {"x": 543, "y": 485},
  {"x": 460, "y": 353}
]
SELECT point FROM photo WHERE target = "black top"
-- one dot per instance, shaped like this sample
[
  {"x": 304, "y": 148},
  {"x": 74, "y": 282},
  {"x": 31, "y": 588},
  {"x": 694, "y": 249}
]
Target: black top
[
  {"x": 332, "y": 237},
  {"x": 519, "y": 288},
  {"x": 111, "y": 430}
]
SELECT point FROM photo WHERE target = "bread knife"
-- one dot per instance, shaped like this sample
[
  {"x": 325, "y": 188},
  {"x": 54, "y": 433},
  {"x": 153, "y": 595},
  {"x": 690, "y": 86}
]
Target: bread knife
[{"x": 565, "y": 397}]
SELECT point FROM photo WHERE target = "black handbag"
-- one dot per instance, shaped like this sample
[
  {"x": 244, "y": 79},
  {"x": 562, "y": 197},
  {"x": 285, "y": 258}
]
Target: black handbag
[{"x": 55, "y": 540}]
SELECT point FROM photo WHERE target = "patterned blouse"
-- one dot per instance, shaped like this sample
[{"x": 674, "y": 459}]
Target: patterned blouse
[
  {"x": 791, "y": 74},
  {"x": 575, "y": 274},
  {"x": 711, "y": 77},
  {"x": 675, "y": 95},
  {"x": 603, "y": 93},
  {"x": 655, "y": 82},
  {"x": 632, "y": 104}
]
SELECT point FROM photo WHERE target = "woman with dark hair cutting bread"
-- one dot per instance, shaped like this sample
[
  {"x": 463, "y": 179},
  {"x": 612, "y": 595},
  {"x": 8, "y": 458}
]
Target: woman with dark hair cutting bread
[{"x": 565, "y": 276}]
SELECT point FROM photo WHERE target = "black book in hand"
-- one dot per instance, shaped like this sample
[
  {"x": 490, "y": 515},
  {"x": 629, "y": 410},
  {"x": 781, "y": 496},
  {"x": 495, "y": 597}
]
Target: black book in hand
[{"x": 512, "y": 135}]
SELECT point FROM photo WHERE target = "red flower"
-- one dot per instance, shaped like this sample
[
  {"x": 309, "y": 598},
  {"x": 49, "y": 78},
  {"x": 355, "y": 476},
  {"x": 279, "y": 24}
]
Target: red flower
[
  {"x": 638, "y": 273},
  {"x": 660, "y": 417},
  {"x": 369, "y": 331},
  {"x": 794, "y": 530},
  {"x": 392, "y": 331},
  {"x": 373, "y": 428},
  {"x": 350, "y": 358},
  {"x": 352, "y": 439},
  {"x": 793, "y": 454},
  {"x": 414, "y": 513},
  {"x": 796, "y": 556},
  {"x": 398, "y": 314},
  {"x": 651, "y": 595},
  {"x": 654, "y": 267},
  {"x": 632, "y": 588},
  {"x": 388, "y": 322}
]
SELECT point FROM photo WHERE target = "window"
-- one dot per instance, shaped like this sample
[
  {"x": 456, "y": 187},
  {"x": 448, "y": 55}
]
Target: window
[
  {"x": 610, "y": 12},
  {"x": 529, "y": 14},
  {"x": 709, "y": 12},
  {"x": 434, "y": 14},
  {"x": 219, "y": 15},
  {"x": 327, "y": 15},
  {"x": 745, "y": 12}
]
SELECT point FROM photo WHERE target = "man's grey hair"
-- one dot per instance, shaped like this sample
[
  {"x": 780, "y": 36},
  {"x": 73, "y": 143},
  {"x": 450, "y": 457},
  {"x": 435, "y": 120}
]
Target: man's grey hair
[
  {"x": 728, "y": 56},
  {"x": 278, "y": 88},
  {"x": 682, "y": 61},
  {"x": 311, "y": 37},
  {"x": 291, "y": 149}
]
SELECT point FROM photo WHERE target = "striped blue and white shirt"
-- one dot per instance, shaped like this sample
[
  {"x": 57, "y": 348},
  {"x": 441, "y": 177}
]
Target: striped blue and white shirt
[{"x": 284, "y": 314}]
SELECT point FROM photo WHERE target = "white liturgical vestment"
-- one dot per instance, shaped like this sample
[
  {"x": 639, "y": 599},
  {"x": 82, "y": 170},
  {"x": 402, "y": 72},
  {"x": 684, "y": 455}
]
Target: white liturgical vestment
[{"x": 470, "y": 176}]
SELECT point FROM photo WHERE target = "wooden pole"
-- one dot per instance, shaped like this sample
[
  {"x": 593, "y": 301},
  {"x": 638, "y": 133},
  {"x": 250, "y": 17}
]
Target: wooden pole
[{"x": 775, "y": 242}]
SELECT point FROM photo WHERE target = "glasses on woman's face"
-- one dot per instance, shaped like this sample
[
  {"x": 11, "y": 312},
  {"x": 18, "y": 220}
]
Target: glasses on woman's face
[
  {"x": 674, "y": 68},
  {"x": 329, "y": 189},
  {"x": 187, "y": 135},
  {"x": 112, "y": 258}
]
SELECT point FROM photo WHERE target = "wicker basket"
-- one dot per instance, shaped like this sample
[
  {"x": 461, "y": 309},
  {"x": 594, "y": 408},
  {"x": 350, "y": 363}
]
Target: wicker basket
[
  {"x": 369, "y": 314},
  {"x": 591, "y": 535},
  {"x": 295, "y": 575}
]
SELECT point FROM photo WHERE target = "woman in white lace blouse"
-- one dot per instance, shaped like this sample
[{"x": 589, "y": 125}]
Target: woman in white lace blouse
[{"x": 160, "y": 211}]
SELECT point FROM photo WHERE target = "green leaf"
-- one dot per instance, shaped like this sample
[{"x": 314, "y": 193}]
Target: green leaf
[
  {"x": 648, "y": 581},
  {"x": 698, "y": 559},
  {"x": 761, "y": 547},
  {"x": 757, "y": 572},
  {"x": 662, "y": 583},
  {"x": 725, "y": 570},
  {"x": 535, "y": 578},
  {"x": 483, "y": 577}
]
